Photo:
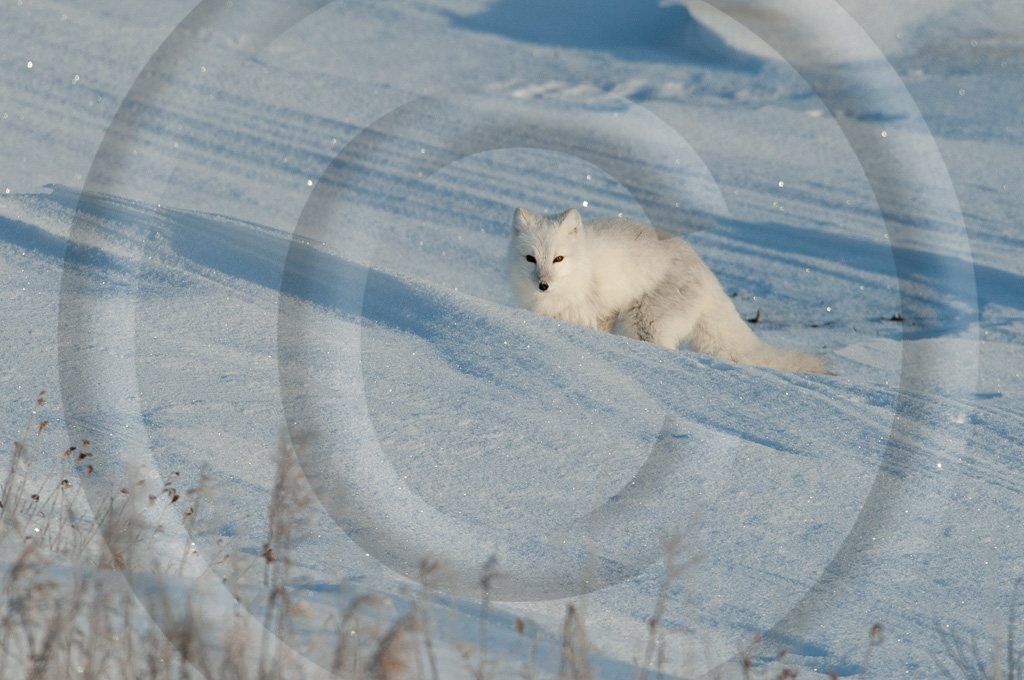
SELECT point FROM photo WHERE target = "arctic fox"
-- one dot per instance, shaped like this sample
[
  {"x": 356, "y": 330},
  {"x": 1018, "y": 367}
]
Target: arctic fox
[{"x": 650, "y": 285}]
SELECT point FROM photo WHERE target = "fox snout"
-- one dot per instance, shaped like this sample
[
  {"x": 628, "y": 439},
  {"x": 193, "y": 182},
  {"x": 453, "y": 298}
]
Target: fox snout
[{"x": 544, "y": 277}]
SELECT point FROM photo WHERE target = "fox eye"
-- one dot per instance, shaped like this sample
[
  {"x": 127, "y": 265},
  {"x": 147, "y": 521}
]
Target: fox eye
[
  {"x": 531, "y": 258},
  {"x": 558, "y": 259}
]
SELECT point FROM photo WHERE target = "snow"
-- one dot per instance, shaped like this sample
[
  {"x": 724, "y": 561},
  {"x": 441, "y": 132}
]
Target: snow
[{"x": 222, "y": 223}]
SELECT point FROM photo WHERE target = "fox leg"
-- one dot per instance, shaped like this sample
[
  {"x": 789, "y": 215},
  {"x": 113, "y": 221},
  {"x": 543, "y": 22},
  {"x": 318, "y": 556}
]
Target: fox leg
[
  {"x": 652, "y": 318},
  {"x": 607, "y": 324}
]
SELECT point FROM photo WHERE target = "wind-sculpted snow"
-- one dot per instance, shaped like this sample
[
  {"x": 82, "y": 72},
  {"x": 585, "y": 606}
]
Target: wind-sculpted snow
[
  {"x": 850, "y": 174},
  {"x": 444, "y": 423},
  {"x": 454, "y": 390}
]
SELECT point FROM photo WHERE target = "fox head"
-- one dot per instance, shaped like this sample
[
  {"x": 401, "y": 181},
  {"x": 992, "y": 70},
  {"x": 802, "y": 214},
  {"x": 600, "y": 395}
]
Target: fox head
[{"x": 547, "y": 254}]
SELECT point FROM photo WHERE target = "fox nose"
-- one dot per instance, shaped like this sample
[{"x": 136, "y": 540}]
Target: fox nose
[{"x": 543, "y": 285}]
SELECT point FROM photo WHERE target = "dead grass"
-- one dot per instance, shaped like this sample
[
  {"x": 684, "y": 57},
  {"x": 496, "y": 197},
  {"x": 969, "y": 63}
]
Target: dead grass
[
  {"x": 967, "y": 657},
  {"x": 86, "y": 596}
]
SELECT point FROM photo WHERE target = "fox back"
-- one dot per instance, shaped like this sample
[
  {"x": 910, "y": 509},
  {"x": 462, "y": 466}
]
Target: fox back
[{"x": 649, "y": 284}]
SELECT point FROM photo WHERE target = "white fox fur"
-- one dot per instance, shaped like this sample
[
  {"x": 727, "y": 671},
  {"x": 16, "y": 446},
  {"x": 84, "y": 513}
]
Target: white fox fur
[{"x": 650, "y": 285}]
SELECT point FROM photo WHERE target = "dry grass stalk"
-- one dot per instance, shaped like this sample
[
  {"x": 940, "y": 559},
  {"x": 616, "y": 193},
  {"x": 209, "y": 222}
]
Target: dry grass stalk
[
  {"x": 397, "y": 656},
  {"x": 574, "y": 664},
  {"x": 1004, "y": 661},
  {"x": 529, "y": 671},
  {"x": 289, "y": 517},
  {"x": 353, "y": 636}
]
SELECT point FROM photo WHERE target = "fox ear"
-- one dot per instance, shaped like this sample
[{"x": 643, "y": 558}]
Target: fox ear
[
  {"x": 522, "y": 219},
  {"x": 571, "y": 221}
]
